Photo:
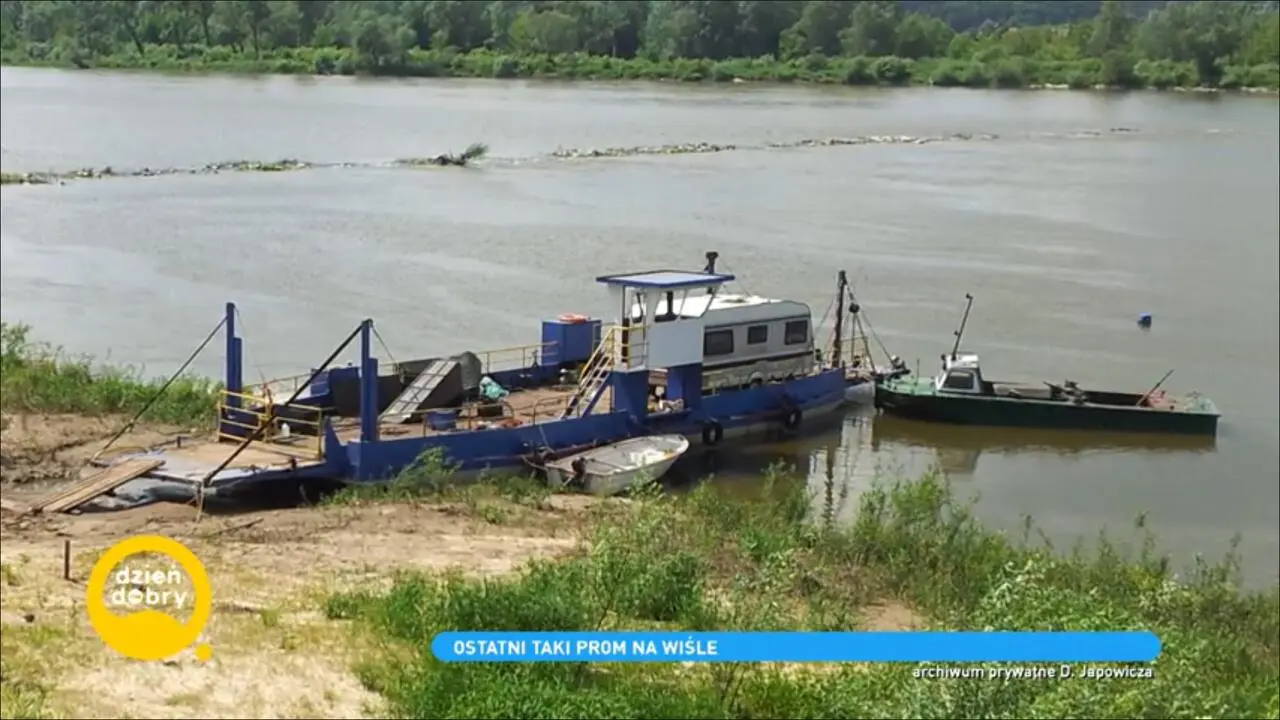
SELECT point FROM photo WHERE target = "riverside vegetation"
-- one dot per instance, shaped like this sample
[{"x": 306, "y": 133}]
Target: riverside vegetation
[
  {"x": 701, "y": 561},
  {"x": 473, "y": 153},
  {"x": 37, "y": 377},
  {"x": 874, "y": 42}
]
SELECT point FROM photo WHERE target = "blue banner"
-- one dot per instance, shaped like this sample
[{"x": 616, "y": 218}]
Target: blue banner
[{"x": 1056, "y": 647}]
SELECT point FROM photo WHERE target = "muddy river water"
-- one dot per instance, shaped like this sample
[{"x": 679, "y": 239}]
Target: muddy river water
[{"x": 1065, "y": 214}]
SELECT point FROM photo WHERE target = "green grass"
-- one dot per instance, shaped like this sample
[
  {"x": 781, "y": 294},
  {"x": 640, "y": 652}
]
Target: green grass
[
  {"x": 1004, "y": 73},
  {"x": 9, "y": 178},
  {"x": 36, "y": 377},
  {"x": 701, "y": 562}
]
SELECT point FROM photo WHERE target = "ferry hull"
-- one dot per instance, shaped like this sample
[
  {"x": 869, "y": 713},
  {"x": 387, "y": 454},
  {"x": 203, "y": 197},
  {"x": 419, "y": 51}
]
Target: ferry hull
[
  {"x": 729, "y": 416},
  {"x": 1009, "y": 412}
]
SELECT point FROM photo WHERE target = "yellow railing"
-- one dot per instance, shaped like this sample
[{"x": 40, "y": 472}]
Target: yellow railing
[
  {"x": 254, "y": 411},
  {"x": 512, "y": 358},
  {"x": 276, "y": 387},
  {"x": 606, "y": 350},
  {"x": 509, "y": 358},
  {"x": 607, "y": 355},
  {"x": 468, "y": 416}
]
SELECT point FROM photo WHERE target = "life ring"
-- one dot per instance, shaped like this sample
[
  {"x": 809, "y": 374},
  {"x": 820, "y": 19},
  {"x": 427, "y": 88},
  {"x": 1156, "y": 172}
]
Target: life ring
[
  {"x": 792, "y": 420},
  {"x": 712, "y": 433},
  {"x": 573, "y": 319}
]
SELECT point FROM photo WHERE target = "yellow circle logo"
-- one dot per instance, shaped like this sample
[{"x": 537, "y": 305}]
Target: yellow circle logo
[{"x": 150, "y": 633}]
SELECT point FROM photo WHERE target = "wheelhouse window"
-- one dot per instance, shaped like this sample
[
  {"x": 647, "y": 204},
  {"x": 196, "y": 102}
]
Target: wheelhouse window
[
  {"x": 757, "y": 334},
  {"x": 796, "y": 332},
  {"x": 716, "y": 343},
  {"x": 958, "y": 380}
]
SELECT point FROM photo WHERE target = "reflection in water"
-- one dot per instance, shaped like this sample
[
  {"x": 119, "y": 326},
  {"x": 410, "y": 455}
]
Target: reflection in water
[
  {"x": 1059, "y": 442},
  {"x": 958, "y": 447},
  {"x": 841, "y": 462}
]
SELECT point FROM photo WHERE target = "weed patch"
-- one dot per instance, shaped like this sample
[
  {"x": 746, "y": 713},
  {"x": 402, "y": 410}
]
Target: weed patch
[
  {"x": 36, "y": 377},
  {"x": 702, "y": 562}
]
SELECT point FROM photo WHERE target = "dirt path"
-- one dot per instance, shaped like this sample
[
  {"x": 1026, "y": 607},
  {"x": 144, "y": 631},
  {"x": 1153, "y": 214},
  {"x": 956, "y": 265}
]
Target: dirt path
[
  {"x": 39, "y": 449},
  {"x": 274, "y": 654}
]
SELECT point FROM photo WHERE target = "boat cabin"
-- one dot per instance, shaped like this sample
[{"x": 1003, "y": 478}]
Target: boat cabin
[
  {"x": 747, "y": 339},
  {"x": 961, "y": 374}
]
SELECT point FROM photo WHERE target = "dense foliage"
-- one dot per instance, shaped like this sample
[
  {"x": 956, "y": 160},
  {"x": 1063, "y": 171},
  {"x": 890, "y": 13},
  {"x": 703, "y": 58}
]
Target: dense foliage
[{"x": 1125, "y": 44}]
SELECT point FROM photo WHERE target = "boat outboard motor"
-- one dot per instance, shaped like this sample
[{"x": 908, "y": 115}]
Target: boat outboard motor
[{"x": 579, "y": 466}]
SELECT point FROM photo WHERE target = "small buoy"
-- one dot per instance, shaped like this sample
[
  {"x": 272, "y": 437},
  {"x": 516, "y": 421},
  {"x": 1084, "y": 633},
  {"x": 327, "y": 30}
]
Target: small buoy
[{"x": 1144, "y": 320}]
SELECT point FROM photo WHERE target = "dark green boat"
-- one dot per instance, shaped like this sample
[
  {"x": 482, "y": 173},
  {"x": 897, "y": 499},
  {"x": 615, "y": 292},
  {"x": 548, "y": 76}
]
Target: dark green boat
[{"x": 960, "y": 394}]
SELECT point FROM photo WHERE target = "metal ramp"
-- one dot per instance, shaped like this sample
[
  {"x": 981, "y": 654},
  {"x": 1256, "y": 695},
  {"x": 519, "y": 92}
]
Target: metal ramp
[
  {"x": 594, "y": 379},
  {"x": 416, "y": 395},
  {"x": 100, "y": 483}
]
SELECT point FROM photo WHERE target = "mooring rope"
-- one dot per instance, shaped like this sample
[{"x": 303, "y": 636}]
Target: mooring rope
[
  {"x": 163, "y": 388},
  {"x": 383, "y": 343}
]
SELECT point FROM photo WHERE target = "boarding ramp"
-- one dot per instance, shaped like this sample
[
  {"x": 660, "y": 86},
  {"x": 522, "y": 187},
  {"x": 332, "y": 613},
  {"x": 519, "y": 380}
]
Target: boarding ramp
[
  {"x": 96, "y": 485},
  {"x": 419, "y": 393}
]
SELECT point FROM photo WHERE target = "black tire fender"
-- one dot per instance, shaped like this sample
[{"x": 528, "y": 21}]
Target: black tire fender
[{"x": 712, "y": 433}]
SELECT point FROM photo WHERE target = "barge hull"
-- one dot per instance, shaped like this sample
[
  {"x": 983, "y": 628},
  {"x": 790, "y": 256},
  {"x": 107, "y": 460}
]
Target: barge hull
[{"x": 1006, "y": 412}]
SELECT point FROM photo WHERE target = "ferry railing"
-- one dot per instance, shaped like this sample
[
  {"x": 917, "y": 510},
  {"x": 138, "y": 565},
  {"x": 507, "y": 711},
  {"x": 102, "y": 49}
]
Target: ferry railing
[
  {"x": 508, "y": 358},
  {"x": 512, "y": 358},
  {"x": 593, "y": 374},
  {"x": 469, "y": 415},
  {"x": 285, "y": 386},
  {"x": 611, "y": 353},
  {"x": 632, "y": 353},
  {"x": 253, "y": 411}
]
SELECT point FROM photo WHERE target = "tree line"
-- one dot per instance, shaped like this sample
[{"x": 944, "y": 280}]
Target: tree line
[{"x": 867, "y": 41}]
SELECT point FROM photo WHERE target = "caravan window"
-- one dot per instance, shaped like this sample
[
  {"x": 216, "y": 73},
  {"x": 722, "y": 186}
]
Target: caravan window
[
  {"x": 757, "y": 334},
  {"x": 796, "y": 332},
  {"x": 717, "y": 342}
]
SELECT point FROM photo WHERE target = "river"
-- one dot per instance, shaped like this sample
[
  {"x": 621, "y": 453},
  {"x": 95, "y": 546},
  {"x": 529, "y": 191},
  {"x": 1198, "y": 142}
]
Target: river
[{"x": 1065, "y": 214}]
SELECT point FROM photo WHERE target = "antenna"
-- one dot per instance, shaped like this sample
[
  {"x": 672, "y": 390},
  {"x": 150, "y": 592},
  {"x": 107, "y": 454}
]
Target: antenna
[
  {"x": 963, "y": 321},
  {"x": 712, "y": 256}
]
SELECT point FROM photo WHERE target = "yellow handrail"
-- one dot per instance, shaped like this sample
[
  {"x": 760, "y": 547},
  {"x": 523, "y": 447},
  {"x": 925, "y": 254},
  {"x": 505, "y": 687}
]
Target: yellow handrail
[
  {"x": 254, "y": 418},
  {"x": 518, "y": 356}
]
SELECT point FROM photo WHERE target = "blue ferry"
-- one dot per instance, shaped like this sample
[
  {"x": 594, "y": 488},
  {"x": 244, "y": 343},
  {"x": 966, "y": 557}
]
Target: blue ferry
[{"x": 681, "y": 355}]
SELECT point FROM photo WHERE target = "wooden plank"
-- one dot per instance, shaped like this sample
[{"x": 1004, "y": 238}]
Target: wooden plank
[{"x": 98, "y": 484}]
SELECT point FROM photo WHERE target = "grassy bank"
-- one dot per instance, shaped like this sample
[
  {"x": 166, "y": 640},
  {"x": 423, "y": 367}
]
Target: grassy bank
[
  {"x": 36, "y": 377},
  {"x": 10, "y": 178},
  {"x": 1014, "y": 72},
  {"x": 915, "y": 556}
]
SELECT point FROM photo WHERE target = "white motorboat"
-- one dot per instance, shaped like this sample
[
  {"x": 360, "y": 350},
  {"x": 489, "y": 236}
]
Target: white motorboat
[{"x": 616, "y": 468}]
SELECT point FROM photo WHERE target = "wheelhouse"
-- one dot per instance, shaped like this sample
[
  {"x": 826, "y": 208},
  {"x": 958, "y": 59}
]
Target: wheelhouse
[
  {"x": 961, "y": 374},
  {"x": 747, "y": 340}
]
